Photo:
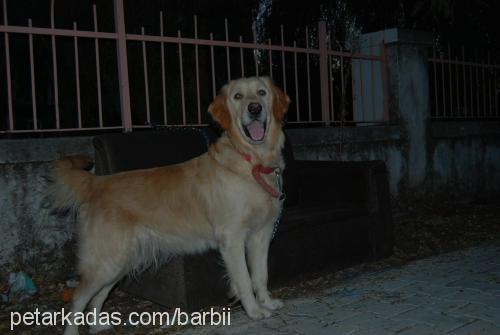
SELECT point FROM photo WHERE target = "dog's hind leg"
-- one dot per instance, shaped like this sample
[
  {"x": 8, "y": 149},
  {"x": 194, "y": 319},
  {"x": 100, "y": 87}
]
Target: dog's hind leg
[
  {"x": 232, "y": 249},
  {"x": 92, "y": 285},
  {"x": 95, "y": 305},
  {"x": 83, "y": 294},
  {"x": 257, "y": 251}
]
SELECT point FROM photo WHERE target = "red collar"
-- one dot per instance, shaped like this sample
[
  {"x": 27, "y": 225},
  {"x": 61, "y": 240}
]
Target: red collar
[{"x": 257, "y": 169}]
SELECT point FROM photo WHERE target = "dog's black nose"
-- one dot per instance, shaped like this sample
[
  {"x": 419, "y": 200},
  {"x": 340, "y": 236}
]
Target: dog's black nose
[{"x": 254, "y": 108}]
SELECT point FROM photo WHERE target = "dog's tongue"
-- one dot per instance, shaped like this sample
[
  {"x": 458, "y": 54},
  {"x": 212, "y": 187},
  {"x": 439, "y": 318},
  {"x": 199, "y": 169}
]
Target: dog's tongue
[{"x": 256, "y": 130}]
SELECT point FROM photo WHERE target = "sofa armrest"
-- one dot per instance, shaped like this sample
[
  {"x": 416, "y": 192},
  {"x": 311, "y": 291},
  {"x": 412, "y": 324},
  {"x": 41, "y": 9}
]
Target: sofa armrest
[
  {"x": 334, "y": 183},
  {"x": 351, "y": 184}
]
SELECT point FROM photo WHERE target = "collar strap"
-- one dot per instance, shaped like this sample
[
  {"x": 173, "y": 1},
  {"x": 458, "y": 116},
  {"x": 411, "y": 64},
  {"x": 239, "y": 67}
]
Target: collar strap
[{"x": 257, "y": 170}]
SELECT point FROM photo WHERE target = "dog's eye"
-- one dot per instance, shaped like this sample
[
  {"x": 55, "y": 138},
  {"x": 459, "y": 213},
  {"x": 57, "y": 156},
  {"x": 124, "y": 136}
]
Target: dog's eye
[
  {"x": 238, "y": 96},
  {"x": 262, "y": 92}
]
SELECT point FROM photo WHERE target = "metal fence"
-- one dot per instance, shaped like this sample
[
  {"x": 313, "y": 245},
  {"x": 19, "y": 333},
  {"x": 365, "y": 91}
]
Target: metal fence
[
  {"x": 461, "y": 88},
  {"x": 158, "y": 80}
]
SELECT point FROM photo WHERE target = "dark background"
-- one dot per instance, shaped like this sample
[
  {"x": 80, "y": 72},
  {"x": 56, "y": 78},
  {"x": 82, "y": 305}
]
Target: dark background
[
  {"x": 454, "y": 24},
  {"x": 457, "y": 22}
]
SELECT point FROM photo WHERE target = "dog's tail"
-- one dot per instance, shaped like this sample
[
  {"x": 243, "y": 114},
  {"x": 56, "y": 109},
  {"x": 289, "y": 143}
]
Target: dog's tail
[{"x": 73, "y": 183}]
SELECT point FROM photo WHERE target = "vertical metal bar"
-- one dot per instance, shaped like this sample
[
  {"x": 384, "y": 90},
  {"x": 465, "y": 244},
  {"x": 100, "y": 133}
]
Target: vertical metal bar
[
  {"x": 255, "y": 51},
  {"x": 77, "y": 74},
  {"x": 198, "y": 103},
  {"x": 372, "y": 77},
  {"x": 54, "y": 66},
  {"x": 457, "y": 87},
  {"x": 10, "y": 118},
  {"x": 308, "y": 76},
  {"x": 163, "y": 81},
  {"x": 496, "y": 93},
  {"x": 478, "y": 111},
  {"x": 214, "y": 89},
  {"x": 452, "y": 113},
  {"x": 98, "y": 67},
  {"x": 471, "y": 92},
  {"x": 436, "y": 112},
  {"x": 181, "y": 71},
  {"x": 270, "y": 60},
  {"x": 352, "y": 85},
  {"x": 483, "y": 88},
  {"x": 362, "y": 85},
  {"x": 228, "y": 58},
  {"x": 146, "y": 79},
  {"x": 323, "y": 71},
  {"x": 121, "y": 51},
  {"x": 490, "y": 111},
  {"x": 32, "y": 72},
  {"x": 283, "y": 64},
  {"x": 242, "y": 60},
  {"x": 464, "y": 75},
  {"x": 330, "y": 78},
  {"x": 297, "y": 101},
  {"x": 385, "y": 81},
  {"x": 342, "y": 90},
  {"x": 442, "y": 84}
]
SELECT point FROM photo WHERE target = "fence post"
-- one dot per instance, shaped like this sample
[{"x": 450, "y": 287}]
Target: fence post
[
  {"x": 406, "y": 83},
  {"x": 323, "y": 72},
  {"x": 121, "y": 52}
]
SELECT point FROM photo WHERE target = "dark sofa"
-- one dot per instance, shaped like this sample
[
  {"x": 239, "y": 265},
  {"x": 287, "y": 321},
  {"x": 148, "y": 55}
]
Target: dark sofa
[{"x": 336, "y": 214}]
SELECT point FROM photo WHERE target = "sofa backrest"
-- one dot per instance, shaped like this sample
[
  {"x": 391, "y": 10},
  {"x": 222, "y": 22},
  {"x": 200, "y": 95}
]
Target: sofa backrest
[{"x": 145, "y": 149}]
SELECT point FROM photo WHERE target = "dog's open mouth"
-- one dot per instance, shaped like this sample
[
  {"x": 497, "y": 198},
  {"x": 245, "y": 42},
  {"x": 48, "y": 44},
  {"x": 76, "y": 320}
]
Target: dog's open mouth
[{"x": 255, "y": 130}]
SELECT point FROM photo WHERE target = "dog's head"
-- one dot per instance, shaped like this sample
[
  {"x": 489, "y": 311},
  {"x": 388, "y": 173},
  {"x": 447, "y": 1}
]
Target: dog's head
[{"x": 250, "y": 109}]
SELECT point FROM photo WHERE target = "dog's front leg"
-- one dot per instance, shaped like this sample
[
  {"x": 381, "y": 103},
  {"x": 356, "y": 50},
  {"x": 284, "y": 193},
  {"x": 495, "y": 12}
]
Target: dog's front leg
[
  {"x": 232, "y": 249},
  {"x": 257, "y": 251}
]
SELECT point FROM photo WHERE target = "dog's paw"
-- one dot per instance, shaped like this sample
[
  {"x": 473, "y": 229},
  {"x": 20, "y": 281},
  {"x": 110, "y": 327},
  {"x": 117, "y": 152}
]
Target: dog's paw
[
  {"x": 258, "y": 313},
  {"x": 99, "y": 328},
  {"x": 272, "y": 304}
]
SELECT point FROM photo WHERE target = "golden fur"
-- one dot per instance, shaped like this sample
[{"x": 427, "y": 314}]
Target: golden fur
[{"x": 129, "y": 220}]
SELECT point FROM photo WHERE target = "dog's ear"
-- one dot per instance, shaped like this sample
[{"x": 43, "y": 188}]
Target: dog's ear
[
  {"x": 219, "y": 111},
  {"x": 280, "y": 102}
]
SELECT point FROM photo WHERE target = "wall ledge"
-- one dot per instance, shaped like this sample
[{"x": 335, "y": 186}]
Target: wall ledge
[
  {"x": 450, "y": 128},
  {"x": 330, "y": 135},
  {"x": 14, "y": 151}
]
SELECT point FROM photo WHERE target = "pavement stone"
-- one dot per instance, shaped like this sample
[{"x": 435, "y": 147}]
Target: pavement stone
[
  {"x": 419, "y": 329},
  {"x": 471, "y": 295},
  {"x": 480, "y": 312},
  {"x": 435, "y": 319},
  {"x": 378, "y": 307},
  {"x": 456, "y": 293},
  {"x": 477, "y": 328}
]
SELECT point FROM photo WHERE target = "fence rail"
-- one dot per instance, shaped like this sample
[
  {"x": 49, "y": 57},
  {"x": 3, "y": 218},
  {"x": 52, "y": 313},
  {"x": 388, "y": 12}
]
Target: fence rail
[
  {"x": 461, "y": 88},
  {"x": 169, "y": 80}
]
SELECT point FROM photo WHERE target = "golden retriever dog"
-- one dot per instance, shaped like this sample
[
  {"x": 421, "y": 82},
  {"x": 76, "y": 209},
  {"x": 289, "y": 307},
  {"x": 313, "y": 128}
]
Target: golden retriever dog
[{"x": 226, "y": 198}]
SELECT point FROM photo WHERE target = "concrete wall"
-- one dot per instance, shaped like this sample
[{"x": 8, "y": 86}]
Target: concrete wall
[
  {"x": 31, "y": 238},
  {"x": 465, "y": 157}
]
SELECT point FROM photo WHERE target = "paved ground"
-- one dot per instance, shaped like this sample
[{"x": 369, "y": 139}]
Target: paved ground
[{"x": 456, "y": 293}]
